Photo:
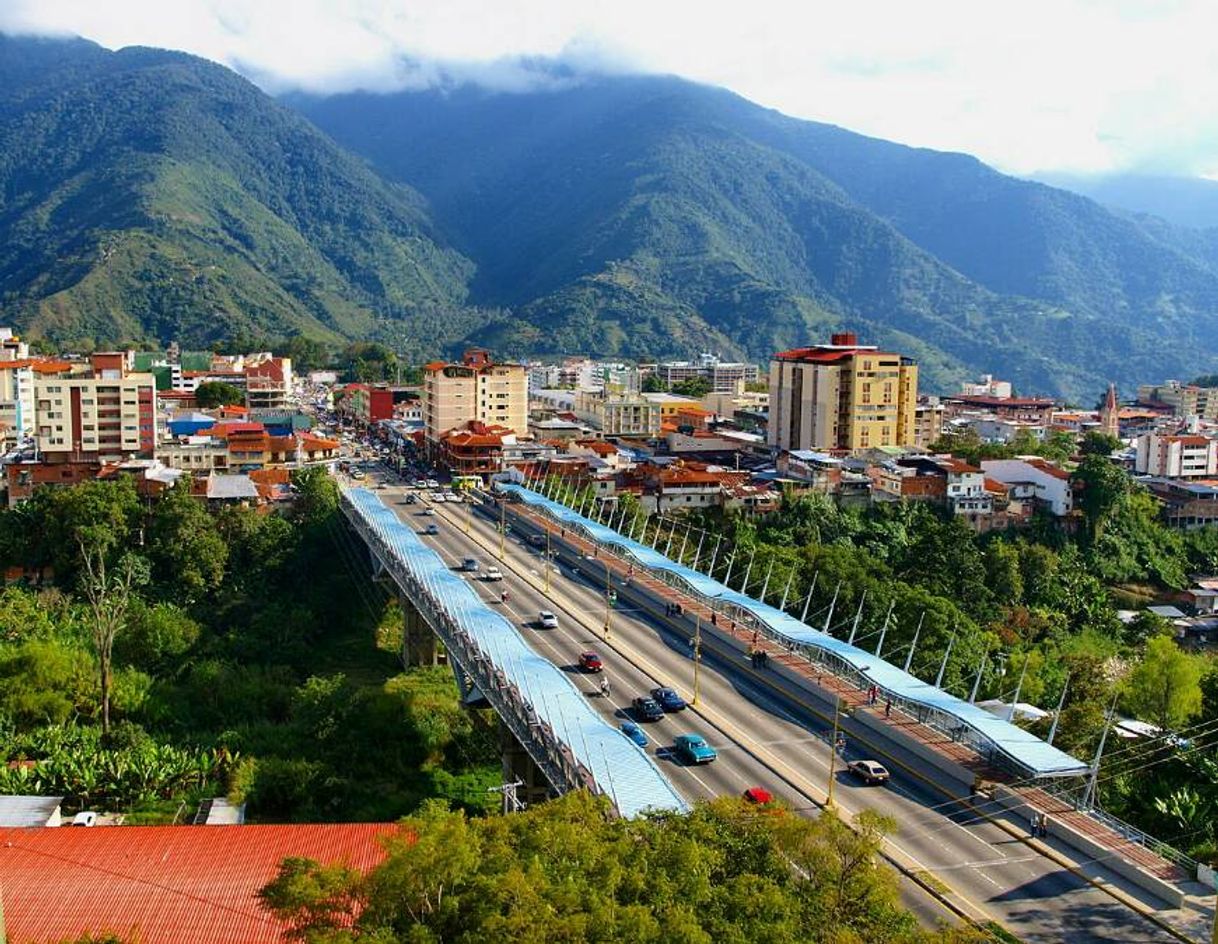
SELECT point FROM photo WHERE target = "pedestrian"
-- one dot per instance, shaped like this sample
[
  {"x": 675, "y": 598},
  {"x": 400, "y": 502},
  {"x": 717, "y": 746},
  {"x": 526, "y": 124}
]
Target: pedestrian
[
  {"x": 754, "y": 637},
  {"x": 888, "y": 708},
  {"x": 714, "y": 618},
  {"x": 765, "y": 658}
]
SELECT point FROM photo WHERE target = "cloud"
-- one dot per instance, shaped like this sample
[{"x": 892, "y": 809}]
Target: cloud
[{"x": 1036, "y": 86}]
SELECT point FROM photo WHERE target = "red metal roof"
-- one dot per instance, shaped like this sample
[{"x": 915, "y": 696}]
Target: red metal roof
[{"x": 162, "y": 884}]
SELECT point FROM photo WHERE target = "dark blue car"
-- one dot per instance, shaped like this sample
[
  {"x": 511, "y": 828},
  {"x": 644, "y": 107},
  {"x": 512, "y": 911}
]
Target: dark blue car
[
  {"x": 635, "y": 733},
  {"x": 668, "y": 699},
  {"x": 647, "y": 709}
]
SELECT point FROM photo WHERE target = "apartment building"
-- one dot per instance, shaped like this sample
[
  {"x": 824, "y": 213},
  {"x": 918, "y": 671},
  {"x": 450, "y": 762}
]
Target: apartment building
[
  {"x": 268, "y": 383},
  {"x": 475, "y": 390},
  {"x": 1182, "y": 399},
  {"x": 724, "y": 376},
  {"x": 928, "y": 421},
  {"x": 1034, "y": 479},
  {"x": 842, "y": 395},
  {"x": 16, "y": 401},
  {"x": 103, "y": 413},
  {"x": 1176, "y": 456}
]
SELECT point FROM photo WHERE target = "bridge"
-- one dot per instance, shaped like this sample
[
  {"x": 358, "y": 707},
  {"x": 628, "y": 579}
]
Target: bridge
[
  {"x": 771, "y": 728},
  {"x": 548, "y": 718}
]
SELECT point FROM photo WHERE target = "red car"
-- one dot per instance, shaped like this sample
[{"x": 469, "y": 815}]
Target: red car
[
  {"x": 590, "y": 662},
  {"x": 759, "y": 796}
]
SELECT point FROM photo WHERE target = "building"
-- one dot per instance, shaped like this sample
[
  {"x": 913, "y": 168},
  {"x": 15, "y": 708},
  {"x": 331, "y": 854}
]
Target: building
[
  {"x": 823, "y": 473},
  {"x": 928, "y": 421},
  {"x": 196, "y": 884},
  {"x": 1035, "y": 480},
  {"x": 365, "y": 403},
  {"x": 105, "y": 413},
  {"x": 1110, "y": 414},
  {"x": 475, "y": 390},
  {"x": 723, "y": 376},
  {"x": 987, "y": 386},
  {"x": 268, "y": 383},
  {"x": 1186, "y": 503},
  {"x": 619, "y": 415},
  {"x": 1176, "y": 456},
  {"x": 475, "y": 449},
  {"x": 842, "y": 395},
  {"x": 16, "y": 401},
  {"x": 1181, "y": 400},
  {"x": 1035, "y": 410}
]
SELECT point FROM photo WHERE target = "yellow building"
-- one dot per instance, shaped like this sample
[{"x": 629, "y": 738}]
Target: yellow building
[
  {"x": 842, "y": 395},
  {"x": 477, "y": 390}
]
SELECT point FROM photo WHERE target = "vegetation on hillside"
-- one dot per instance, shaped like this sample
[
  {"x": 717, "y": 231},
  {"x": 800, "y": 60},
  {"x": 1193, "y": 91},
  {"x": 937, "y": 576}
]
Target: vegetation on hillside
[
  {"x": 242, "y": 667},
  {"x": 565, "y": 871}
]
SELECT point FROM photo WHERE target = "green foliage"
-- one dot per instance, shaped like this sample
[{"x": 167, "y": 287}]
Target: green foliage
[
  {"x": 697, "y": 387},
  {"x": 188, "y": 553},
  {"x": 1165, "y": 687},
  {"x": 653, "y": 384},
  {"x": 215, "y": 393},
  {"x": 564, "y": 871}
]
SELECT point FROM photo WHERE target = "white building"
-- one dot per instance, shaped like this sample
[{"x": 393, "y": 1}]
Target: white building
[
  {"x": 724, "y": 376},
  {"x": 1176, "y": 456},
  {"x": 987, "y": 386},
  {"x": 1033, "y": 477}
]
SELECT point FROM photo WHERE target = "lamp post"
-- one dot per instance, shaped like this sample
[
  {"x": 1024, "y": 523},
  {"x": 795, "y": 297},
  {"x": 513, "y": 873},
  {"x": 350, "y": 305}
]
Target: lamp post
[
  {"x": 547, "y": 560},
  {"x": 837, "y": 709},
  {"x": 502, "y": 525},
  {"x": 608, "y": 590},
  {"x": 697, "y": 653}
]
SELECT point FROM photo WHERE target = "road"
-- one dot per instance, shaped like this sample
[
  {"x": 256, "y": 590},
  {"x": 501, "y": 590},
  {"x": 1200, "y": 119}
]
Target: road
[{"x": 765, "y": 740}]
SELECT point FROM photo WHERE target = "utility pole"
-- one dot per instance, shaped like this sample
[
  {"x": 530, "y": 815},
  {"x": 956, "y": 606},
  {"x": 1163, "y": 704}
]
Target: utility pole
[
  {"x": 697, "y": 653},
  {"x": 837, "y": 711}
]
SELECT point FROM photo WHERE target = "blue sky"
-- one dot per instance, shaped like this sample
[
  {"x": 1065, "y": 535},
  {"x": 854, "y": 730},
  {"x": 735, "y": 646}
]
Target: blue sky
[{"x": 1029, "y": 86}]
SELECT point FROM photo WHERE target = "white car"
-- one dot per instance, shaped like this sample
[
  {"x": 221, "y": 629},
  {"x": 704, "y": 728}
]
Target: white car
[
  {"x": 432, "y": 483},
  {"x": 547, "y": 620},
  {"x": 492, "y": 573}
]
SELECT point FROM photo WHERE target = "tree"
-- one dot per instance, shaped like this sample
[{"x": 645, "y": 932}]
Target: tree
[
  {"x": 693, "y": 387},
  {"x": 1165, "y": 687},
  {"x": 653, "y": 384},
  {"x": 215, "y": 393},
  {"x": 187, "y": 552},
  {"x": 1102, "y": 486},
  {"x": 1096, "y": 443},
  {"x": 108, "y": 590}
]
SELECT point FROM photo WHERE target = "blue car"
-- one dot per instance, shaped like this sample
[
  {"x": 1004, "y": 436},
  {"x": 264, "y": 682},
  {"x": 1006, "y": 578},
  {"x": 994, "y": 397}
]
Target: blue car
[
  {"x": 668, "y": 699},
  {"x": 635, "y": 733}
]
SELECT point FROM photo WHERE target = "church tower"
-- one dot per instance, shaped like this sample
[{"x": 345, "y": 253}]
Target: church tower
[{"x": 1110, "y": 414}]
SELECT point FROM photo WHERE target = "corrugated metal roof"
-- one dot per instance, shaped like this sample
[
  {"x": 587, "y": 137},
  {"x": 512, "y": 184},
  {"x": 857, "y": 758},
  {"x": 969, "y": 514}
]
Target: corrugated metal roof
[
  {"x": 628, "y": 775},
  {"x": 162, "y": 884},
  {"x": 1024, "y": 749}
]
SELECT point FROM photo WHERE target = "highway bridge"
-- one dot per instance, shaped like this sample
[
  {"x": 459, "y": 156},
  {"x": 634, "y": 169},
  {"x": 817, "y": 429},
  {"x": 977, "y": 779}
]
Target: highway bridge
[{"x": 970, "y": 860}]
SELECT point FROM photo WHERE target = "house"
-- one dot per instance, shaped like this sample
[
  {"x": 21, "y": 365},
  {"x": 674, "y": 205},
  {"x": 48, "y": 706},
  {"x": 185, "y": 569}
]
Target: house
[
  {"x": 268, "y": 383},
  {"x": 1034, "y": 479},
  {"x": 820, "y": 470},
  {"x": 155, "y": 884},
  {"x": 1188, "y": 456},
  {"x": 1187, "y": 503}
]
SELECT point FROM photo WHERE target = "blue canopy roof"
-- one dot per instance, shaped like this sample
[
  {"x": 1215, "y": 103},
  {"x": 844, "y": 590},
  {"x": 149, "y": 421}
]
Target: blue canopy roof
[
  {"x": 1023, "y": 750},
  {"x": 628, "y": 775}
]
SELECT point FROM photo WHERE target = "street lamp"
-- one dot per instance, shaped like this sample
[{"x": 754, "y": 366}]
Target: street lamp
[
  {"x": 837, "y": 711},
  {"x": 608, "y": 591},
  {"x": 502, "y": 524},
  {"x": 547, "y": 559},
  {"x": 697, "y": 653}
]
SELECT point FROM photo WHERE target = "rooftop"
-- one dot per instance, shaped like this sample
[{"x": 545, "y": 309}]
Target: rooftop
[{"x": 162, "y": 884}]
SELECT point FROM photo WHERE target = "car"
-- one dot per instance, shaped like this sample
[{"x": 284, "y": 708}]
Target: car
[
  {"x": 758, "y": 795},
  {"x": 871, "y": 772},
  {"x": 547, "y": 620},
  {"x": 693, "y": 749},
  {"x": 429, "y": 512},
  {"x": 492, "y": 573},
  {"x": 537, "y": 540},
  {"x": 668, "y": 699},
  {"x": 358, "y": 474},
  {"x": 647, "y": 709},
  {"x": 635, "y": 733},
  {"x": 431, "y": 529},
  {"x": 591, "y": 662},
  {"x": 470, "y": 564},
  {"x": 432, "y": 483},
  {"x": 419, "y": 483},
  {"x": 411, "y": 498},
  {"x": 85, "y": 818}
]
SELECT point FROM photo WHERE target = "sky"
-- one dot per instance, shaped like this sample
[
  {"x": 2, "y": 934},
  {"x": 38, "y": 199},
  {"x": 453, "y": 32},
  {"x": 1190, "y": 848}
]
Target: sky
[{"x": 1030, "y": 86}]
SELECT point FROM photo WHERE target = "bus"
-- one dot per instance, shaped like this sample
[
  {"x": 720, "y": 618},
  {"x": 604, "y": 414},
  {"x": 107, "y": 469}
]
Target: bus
[{"x": 466, "y": 482}]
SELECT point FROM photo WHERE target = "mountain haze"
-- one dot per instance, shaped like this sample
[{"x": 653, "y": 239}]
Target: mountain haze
[
  {"x": 146, "y": 193},
  {"x": 627, "y": 213}
]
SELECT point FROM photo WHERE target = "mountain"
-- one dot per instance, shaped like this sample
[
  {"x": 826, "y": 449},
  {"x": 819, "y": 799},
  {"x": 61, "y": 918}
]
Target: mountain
[
  {"x": 650, "y": 215},
  {"x": 1184, "y": 201},
  {"x": 152, "y": 194}
]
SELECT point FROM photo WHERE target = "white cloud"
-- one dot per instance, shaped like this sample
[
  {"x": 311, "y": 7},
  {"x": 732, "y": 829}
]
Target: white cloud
[{"x": 1039, "y": 85}]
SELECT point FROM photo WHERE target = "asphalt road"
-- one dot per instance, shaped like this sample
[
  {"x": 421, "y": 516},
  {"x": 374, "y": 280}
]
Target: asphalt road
[{"x": 764, "y": 740}]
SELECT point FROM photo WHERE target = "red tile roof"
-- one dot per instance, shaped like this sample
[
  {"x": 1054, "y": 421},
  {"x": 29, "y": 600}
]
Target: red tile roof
[{"x": 162, "y": 884}]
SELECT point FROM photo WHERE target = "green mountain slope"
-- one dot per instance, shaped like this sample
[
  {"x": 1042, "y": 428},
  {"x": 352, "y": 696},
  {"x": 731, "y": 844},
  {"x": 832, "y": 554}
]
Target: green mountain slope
[
  {"x": 648, "y": 215},
  {"x": 146, "y": 193}
]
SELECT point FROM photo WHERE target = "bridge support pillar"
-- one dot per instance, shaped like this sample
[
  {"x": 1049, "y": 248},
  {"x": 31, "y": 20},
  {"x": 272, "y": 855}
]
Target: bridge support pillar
[
  {"x": 418, "y": 641},
  {"x": 519, "y": 768}
]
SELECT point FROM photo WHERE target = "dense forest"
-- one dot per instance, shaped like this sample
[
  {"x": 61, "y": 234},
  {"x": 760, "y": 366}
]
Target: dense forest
[{"x": 250, "y": 656}]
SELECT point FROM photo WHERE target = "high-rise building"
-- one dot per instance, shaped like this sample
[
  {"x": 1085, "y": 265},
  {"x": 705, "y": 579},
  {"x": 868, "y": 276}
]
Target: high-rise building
[
  {"x": 842, "y": 395},
  {"x": 724, "y": 376},
  {"x": 477, "y": 389},
  {"x": 104, "y": 413}
]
